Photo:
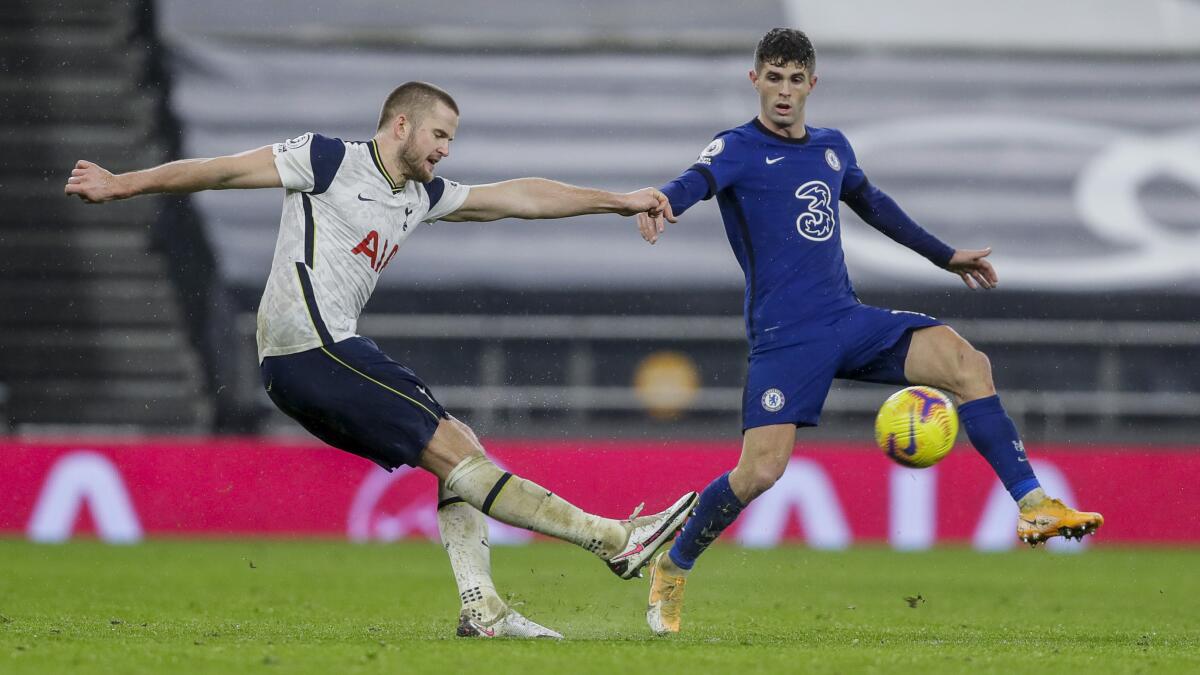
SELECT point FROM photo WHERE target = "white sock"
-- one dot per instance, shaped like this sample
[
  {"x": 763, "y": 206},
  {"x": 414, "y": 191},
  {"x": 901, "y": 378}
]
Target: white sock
[
  {"x": 465, "y": 537},
  {"x": 516, "y": 501}
]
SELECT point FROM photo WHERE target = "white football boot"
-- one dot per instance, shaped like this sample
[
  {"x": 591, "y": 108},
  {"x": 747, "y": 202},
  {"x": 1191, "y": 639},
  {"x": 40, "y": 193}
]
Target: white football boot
[
  {"x": 510, "y": 624},
  {"x": 648, "y": 534}
]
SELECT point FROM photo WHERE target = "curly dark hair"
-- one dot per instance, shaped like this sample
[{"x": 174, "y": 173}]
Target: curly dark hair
[{"x": 781, "y": 46}]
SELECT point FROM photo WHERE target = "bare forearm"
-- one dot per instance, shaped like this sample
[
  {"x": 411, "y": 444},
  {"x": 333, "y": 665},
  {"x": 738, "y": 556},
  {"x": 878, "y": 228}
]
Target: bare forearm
[
  {"x": 182, "y": 176},
  {"x": 252, "y": 169},
  {"x": 542, "y": 198},
  {"x": 539, "y": 198}
]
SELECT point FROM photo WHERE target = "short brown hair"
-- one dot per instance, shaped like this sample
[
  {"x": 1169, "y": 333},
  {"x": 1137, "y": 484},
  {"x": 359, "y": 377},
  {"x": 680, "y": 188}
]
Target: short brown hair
[{"x": 415, "y": 99}]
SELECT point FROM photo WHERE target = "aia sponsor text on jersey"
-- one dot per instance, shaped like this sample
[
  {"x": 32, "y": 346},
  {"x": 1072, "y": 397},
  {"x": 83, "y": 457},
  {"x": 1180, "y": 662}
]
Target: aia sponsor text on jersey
[{"x": 379, "y": 256}]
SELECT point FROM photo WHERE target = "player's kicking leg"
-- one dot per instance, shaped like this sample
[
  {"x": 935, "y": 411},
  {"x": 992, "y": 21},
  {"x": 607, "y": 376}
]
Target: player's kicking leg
[
  {"x": 455, "y": 456},
  {"x": 939, "y": 357},
  {"x": 765, "y": 454}
]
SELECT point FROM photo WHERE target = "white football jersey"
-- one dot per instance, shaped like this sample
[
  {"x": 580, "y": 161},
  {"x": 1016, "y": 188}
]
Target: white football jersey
[{"x": 344, "y": 219}]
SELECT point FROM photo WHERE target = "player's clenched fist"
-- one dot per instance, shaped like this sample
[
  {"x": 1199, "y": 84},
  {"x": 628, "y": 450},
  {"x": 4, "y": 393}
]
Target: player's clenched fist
[
  {"x": 647, "y": 200},
  {"x": 92, "y": 183},
  {"x": 652, "y": 212}
]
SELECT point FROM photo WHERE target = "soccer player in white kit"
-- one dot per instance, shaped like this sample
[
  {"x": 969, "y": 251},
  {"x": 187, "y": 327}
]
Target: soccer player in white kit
[{"x": 348, "y": 208}]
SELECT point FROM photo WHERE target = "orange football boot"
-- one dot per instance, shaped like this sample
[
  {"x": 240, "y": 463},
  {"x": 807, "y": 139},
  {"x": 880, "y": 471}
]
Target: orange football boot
[
  {"x": 1051, "y": 518},
  {"x": 665, "y": 608}
]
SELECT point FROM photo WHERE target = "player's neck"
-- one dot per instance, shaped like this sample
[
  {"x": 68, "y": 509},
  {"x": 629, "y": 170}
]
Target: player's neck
[
  {"x": 389, "y": 154},
  {"x": 796, "y": 130}
]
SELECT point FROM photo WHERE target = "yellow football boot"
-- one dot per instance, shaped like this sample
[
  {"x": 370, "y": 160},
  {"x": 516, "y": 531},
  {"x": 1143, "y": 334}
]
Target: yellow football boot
[
  {"x": 1051, "y": 518},
  {"x": 666, "y": 599}
]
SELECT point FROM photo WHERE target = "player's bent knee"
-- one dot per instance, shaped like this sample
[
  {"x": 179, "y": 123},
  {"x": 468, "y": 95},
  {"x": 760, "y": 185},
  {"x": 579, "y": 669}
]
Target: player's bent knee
[
  {"x": 975, "y": 364},
  {"x": 466, "y": 431},
  {"x": 982, "y": 363},
  {"x": 765, "y": 454},
  {"x": 757, "y": 479},
  {"x": 451, "y": 444},
  {"x": 766, "y": 477},
  {"x": 974, "y": 374}
]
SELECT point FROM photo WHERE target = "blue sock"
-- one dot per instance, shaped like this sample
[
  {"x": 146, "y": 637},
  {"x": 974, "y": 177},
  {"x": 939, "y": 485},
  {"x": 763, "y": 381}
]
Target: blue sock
[
  {"x": 995, "y": 436},
  {"x": 717, "y": 509}
]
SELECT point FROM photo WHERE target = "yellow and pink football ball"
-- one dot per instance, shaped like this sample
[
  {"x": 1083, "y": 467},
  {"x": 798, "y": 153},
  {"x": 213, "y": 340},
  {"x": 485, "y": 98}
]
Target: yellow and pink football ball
[{"x": 916, "y": 426}]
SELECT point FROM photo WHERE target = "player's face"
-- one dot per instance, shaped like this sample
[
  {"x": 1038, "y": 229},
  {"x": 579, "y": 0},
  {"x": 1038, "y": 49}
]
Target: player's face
[
  {"x": 428, "y": 142},
  {"x": 782, "y": 91}
]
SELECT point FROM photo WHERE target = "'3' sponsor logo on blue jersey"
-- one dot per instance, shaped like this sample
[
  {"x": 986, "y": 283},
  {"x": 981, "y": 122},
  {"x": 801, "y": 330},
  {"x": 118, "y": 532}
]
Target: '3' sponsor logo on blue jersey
[{"x": 817, "y": 221}]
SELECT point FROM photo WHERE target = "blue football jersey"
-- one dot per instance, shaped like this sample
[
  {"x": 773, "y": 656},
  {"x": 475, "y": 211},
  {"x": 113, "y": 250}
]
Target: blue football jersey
[{"x": 779, "y": 200}]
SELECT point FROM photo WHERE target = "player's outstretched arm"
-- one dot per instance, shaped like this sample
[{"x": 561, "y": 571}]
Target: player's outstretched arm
[
  {"x": 539, "y": 198},
  {"x": 251, "y": 169}
]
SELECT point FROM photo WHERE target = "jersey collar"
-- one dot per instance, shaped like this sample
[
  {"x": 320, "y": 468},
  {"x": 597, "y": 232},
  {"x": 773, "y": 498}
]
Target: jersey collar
[
  {"x": 782, "y": 139},
  {"x": 383, "y": 170}
]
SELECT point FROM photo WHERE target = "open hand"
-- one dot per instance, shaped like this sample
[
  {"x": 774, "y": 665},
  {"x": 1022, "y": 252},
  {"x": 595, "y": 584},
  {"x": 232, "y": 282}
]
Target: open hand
[{"x": 974, "y": 270}]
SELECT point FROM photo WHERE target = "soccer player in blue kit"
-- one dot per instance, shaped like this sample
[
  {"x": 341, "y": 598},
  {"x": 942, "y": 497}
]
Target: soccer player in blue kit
[{"x": 778, "y": 183}]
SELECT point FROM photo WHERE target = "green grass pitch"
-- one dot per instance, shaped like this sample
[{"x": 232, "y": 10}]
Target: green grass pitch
[{"x": 333, "y": 607}]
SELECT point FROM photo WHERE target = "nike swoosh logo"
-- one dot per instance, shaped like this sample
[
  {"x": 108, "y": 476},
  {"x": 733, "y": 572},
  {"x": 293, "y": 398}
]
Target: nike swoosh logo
[
  {"x": 772, "y": 161},
  {"x": 635, "y": 551},
  {"x": 364, "y": 199},
  {"x": 657, "y": 533},
  {"x": 1022, "y": 459},
  {"x": 912, "y": 439}
]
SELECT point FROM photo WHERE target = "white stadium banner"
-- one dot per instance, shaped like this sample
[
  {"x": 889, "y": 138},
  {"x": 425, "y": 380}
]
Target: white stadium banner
[{"x": 1071, "y": 148}]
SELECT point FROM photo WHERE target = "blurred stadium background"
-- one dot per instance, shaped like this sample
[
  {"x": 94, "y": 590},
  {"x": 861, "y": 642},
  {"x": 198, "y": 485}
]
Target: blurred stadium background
[{"x": 1070, "y": 144}]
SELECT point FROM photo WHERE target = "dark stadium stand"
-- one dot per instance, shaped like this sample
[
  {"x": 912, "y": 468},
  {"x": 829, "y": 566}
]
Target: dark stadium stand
[{"x": 94, "y": 335}]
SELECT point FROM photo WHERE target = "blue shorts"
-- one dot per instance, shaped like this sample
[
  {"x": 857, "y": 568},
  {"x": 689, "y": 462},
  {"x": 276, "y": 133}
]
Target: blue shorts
[
  {"x": 788, "y": 385},
  {"x": 353, "y": 397}
]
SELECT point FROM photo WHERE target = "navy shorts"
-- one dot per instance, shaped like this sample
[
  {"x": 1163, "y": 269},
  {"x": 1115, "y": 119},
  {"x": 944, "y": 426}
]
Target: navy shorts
[
  {"x": 353, "y": 397},
  {"x": 790, "y": 384}
]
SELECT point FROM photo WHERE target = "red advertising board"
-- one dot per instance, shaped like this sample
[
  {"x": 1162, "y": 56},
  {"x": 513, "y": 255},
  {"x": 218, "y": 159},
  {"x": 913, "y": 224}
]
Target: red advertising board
[{"x": 832, "y": 495}]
